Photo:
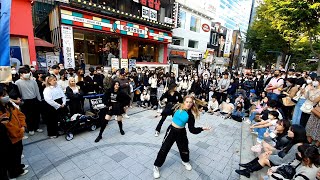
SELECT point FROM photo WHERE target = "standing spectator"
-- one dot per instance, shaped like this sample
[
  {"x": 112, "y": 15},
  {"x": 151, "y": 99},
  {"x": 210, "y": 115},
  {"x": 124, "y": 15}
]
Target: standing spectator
[
  {"x": 275, "y": 86},
  {"x": 91, "y": 82},
  {"x": 31, "y": 98},
  {"x": 55, "y": 71},
  {"x": 14, "y": 121},
  {"x": 107, "y": 82},
  {"x": 74, "y": 94},
  {"x": 312, "y": 99},
  {"x": 196, "y": 87},
  {"x": 56, "y": 102},
  {"x": 222, "y": 88},
  {"x": 153, "y": 81},
  {"x": 14, "y": 73},
  {"x": 205, "y": 85},
  {"x": 63, "y": 81},
  {"x": 100, "y": 77}
]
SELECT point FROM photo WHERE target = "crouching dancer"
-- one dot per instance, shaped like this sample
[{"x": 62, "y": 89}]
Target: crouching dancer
[{"x": 176, "y": 132}]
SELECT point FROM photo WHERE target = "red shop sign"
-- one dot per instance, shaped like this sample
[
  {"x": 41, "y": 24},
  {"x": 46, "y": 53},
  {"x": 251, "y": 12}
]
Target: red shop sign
[{"x": 205, "y": 27}]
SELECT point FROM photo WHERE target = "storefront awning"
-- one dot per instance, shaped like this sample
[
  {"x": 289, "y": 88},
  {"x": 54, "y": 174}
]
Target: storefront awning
[
  {"x": 182, "y": 61},
  {"x": 42, "y": 43}
]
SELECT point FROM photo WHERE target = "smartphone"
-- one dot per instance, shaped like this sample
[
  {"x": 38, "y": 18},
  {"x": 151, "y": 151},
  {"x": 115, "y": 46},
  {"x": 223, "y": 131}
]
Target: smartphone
[{"x": 272, "y": 135}]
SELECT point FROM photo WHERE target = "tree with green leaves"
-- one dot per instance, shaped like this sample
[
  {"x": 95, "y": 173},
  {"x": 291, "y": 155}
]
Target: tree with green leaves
[{"x": 296, "y": 19}]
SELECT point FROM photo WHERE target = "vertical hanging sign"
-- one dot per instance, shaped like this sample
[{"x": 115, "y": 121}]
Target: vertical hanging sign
[
  {"x": 5, "y": 70},
  {"x": 68, "y": 47},
  {"x": 228, "y": 42}
]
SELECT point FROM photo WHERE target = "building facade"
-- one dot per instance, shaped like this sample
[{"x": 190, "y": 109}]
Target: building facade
[
  {"x": 22, "y": 47},
  {"x": 192, "y": 32},
  {"x": 97, "y": 31},
  {"x": 234, "y": 14}
]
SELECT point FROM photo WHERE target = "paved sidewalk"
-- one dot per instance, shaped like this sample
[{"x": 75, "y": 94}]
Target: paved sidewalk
[{"x": 213, "y": 154}]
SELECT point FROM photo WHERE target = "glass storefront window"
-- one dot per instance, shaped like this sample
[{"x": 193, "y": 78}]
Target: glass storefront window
[
  {"x": 195, "y": 24},
  {"x": 182, "y": 16},
  {"x": 143, "y": 51},
  {"x": 95, "y": 48}
]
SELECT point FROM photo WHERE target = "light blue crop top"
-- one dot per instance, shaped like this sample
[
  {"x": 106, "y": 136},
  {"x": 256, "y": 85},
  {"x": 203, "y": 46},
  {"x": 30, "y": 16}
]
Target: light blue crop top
[{"x": 180, "y": 117}]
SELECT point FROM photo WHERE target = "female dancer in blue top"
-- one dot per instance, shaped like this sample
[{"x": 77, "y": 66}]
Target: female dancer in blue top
[{"x": 176, "y": 132}]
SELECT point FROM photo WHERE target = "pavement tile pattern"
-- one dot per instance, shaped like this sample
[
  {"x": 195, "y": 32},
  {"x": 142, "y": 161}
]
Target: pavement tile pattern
[{"x": 214, "y": 154}]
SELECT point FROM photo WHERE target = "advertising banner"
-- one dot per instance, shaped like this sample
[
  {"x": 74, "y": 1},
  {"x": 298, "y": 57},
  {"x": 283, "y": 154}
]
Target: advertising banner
[
  {"x": 114, "y": 64},
  {"x": 5, "y": 69},
  {"x": 145, "y": 12},
  {"x": 68, "y": 47},
  {"x": 132, "y": 64},
  {"x": 228, "y": 42},
  {"x": 52, "y": 59},
  {"x": 124, "y": 64}
]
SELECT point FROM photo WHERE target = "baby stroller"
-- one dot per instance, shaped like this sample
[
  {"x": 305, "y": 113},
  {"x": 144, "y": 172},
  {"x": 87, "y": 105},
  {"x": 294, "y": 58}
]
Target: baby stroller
[{"x": 89, "y": 121}]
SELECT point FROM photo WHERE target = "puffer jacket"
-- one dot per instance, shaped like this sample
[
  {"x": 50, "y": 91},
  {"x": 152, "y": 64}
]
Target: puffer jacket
[{"x": 15, "y": 125}]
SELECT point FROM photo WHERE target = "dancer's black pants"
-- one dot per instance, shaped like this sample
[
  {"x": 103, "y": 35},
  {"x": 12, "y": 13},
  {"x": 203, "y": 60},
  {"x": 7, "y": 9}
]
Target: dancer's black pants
[{"x": 173, "y": 135}]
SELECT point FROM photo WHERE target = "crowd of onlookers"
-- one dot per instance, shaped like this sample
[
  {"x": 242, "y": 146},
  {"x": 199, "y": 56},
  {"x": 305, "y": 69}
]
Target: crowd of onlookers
[{"x": 280, "y": 106}]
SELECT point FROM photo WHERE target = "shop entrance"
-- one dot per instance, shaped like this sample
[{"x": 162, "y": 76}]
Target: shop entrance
[{"x": 95, "y": 48}]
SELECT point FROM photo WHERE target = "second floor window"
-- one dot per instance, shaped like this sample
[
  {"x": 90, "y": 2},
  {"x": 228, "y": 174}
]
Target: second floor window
[{"x": 195, "y": 24}]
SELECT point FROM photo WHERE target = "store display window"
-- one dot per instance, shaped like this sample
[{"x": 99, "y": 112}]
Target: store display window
[
  {"x": 143, "y": 51},
  {"x": 95, "y": 48}
]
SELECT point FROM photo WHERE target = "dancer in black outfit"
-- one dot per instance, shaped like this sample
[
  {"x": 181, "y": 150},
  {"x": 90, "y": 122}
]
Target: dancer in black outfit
[
  {"x": 173, "y": 97},
  {"x": 115, "y": 101},
  {"x": 186, "y": 112}
]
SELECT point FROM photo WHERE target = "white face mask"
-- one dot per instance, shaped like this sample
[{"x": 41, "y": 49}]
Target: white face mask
[
  {"x": 99, "y": 72},
  {"x": 50, "y": 72},
  {"x": 315, "y": 83},
  {"x": 33, "y": 69},
  {"x": 309, "y": 81},
  {"x": 227, "y": 101},
  {"x": 5, "y": 99},
  {"x": 14, "y": 71},
  {"x": 26, "y": 76}
]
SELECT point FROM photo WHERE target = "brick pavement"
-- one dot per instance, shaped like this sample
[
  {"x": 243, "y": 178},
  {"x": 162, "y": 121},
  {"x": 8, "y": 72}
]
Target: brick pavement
[{"x": 213, "y": 154}]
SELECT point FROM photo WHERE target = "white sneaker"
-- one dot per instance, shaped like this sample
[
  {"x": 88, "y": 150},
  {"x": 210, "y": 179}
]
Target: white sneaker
[
  {"x": 39, "y": 130},
  {"x": 259, "y": 140},
  {"x": 156, "y": 134},
  {"x": 254, "y": 133},
  {"x": 25, "y": 137},
  {"x": 248, "y": 121},
  {"x": 24, "y": 173},
  {"x": 126, "y": 116},
  {"x": 156, "y": 172},
  {"x": 22, "y": 156},
  {"x": 25, "y": 167},
  {"x": 31, "y": 133},
  {"x": 187, "y": 165}
]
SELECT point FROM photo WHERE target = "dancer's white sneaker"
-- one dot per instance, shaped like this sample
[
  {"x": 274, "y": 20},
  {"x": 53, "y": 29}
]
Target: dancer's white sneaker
[
  {"x": 156, "y": 172},
  {"x": 156, "y": 134},
  {"x": 187, "y": 165}
]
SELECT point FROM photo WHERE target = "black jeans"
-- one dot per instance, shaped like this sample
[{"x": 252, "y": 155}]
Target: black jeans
[
  {"x": 173, "y": 135},
  {"x": 15, "y": 167},
  {"x": 30, "y": 109}
]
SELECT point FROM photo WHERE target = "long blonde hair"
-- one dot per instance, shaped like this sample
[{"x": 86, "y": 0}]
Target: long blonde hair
[{"x": 195, "y": 107}]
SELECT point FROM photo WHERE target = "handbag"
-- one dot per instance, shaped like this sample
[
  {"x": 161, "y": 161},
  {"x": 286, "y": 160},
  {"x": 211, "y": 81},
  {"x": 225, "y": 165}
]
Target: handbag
[
  {"x": 286, "y": 101},
  {"x": 316, "y": 111},
  {"x": 287, "y": 171}
]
